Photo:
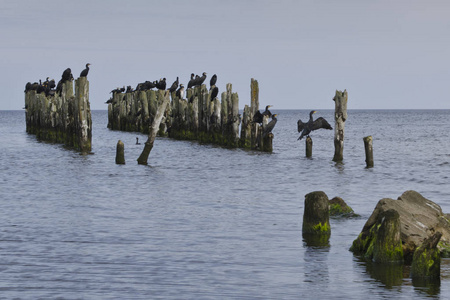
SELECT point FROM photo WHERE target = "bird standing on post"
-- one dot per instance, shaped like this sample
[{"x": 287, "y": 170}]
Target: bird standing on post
[
  {"x": 306, "y": 128},
  {"x": 180, "y": 92},
  {"x": 85, "y": 72},
  {"x": 213, "y": 81},
  {"x": 268, "y": 129}
]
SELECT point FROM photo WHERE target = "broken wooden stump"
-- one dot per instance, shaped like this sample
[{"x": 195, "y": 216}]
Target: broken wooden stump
[
  {"x": 309, "y": 145},
  {"x": 120, "y": 153},
  {"x": 426, "y": 261},
  {"x": 316, "y": 224},
  {"x": 340, "y": 116},
  {"x": 369, "y": 151}
]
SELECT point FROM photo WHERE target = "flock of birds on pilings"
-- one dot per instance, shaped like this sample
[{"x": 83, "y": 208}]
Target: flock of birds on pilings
[{"x": 50, "y": 88}]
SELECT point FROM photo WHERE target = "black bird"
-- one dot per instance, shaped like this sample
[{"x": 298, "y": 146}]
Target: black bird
[
  {"x": 212, "y": 81},
  {"x": 200, "y": 80},
  {"x": 67, "y": 75},
  {"x": 161, "y": 85},
  {"x": 174, "y": 86},
  {"x": 214, "y": 93},
  {"x": 258, "y": 117},
  {"x": 270, "y": 125},
  {"x": 85, "y": 72},
  {"x": 129, "y": 89},
  {"x": 191, "y": 99},
  {"x": 306, "y": 128},
  {"x": 137, "y": 141},
  {"x": 28, "y": 87},
  {"x": 191, "y": 81},
  {"x": 180, "y": 92},
  {"x": 109, "y": 101}
]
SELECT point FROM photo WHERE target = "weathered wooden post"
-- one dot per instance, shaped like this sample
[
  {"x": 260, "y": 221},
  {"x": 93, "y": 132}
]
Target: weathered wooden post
[
  {"x": 316, "y": 224},
  {"x": 254, "y": 107},
  {"x": 427, "y": 259},
  {"x": 120, "y": 153},
  {"x": 340, "y": 116},
  {"x": 369, "y": 151},
  {"x": 388, "y": 244},
  {"x": 83, "y": 120},
  {"x": 309, "y": 144},
  {"x": 143, "y": 158}
]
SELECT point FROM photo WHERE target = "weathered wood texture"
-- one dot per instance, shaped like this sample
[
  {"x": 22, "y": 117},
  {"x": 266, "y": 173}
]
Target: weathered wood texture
[
  {"x": 309, "y": 146},
  {"x": 340, "y": 116},
  {"x": 61, "y": 118},
  {"x": 198, "y": 117},
  {"x": 120, "y": 153},
  {"x": 369, "y": 151},
  {"x": 143, "y": 158}
]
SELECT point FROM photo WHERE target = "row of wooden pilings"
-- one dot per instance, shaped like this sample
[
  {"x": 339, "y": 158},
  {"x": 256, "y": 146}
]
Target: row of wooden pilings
[
  {"x": 198, "y": 117},
  {"x": 386, "y": 247},
  {"x": 61, "y": 118}
]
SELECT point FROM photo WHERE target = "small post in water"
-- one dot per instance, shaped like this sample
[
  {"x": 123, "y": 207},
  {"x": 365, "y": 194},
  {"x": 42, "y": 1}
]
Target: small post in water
[
  {"x": 309, "y": 144},
  {"x": 369, "y": 151},
  {"x": 120, "y": 153}
]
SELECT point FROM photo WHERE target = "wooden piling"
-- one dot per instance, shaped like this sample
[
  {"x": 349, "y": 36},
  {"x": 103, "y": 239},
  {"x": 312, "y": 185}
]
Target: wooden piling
[
  {"x": 316, "y": 216},
  {"x": 143, "y": 158},
  {"x": 427, "y": 259},
  {"x": 369, "y": 151},
  {"x": 120, "y": 153},
  {"x": 309, "y": 145},
  {"x": 340, "y": 116},
  {"x": 387, "y": 247},
  {"x": 62, "y": 117}
]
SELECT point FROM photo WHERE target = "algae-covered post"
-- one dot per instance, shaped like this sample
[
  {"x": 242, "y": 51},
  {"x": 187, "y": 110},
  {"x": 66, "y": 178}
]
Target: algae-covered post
[
  {"x": 340, "y": 116},
  {"x": 427, "y": 258},
  {"x": 316, "y": 218},
  {"x": 369, "y": 151},
  {"x": 387, "y": 247},
  {"x": 143, "y": 158}
]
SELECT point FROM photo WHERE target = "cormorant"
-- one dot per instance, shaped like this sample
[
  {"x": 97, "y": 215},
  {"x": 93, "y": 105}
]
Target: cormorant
[
  {"x": 174, "y": 86},
  {"x": 191, "y": 81},
  {"x": 161, "y": 85},
  {"x": 258, "y": 117},
  {"x": 306, "y": 128},
  {"x": 85, "y": 72},
  {"x": 200, "y": 80},
  {"x": 180, "y": 92},
  {"x": 66, "y": 75},
  {"x": 137, "y": 141},
  {"x": 270, "y": 125},
  {"x": 213, "y": 81},
  {"x": 214, "y": 93},
  {"x": 129, "y": 89}
]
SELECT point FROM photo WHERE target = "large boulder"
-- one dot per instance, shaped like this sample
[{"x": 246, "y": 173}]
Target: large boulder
[{"x": 420, "y": 218}]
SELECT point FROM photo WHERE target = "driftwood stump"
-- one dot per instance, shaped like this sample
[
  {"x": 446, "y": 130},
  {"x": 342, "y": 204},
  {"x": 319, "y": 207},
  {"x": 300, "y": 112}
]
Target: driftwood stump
[
  {"x": 340, "y": 116},
  {"x": 427, "y": 258},
  {"x": 120, "y": 153}
]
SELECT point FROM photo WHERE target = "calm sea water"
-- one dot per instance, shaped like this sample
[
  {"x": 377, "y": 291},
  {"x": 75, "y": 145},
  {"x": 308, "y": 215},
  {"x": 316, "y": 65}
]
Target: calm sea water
[{"x": 203, "y": 222}]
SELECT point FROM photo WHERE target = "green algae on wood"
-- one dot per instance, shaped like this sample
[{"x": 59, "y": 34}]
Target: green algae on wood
[{"x": 316, "y": 214}]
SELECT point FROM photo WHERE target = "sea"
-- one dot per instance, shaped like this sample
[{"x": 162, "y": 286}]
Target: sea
[{"x": 206, "y": 222}]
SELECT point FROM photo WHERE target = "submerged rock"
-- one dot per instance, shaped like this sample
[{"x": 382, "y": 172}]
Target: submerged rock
[
  {"x": 419, "y": 217},
  {"x": 338, "y": 208}
]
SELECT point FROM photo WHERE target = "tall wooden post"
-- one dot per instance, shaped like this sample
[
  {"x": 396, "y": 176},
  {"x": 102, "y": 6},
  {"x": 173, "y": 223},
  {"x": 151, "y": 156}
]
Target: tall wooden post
[
  {"x": 369, "y": 151},
  {"x": 143, "y": 158},
  {"x": 254, "y": 107},
  {"x": 340, "y": 116},
  {"x": 82, "y": 117}
]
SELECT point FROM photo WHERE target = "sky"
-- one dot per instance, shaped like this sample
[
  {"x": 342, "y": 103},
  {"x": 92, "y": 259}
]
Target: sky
[{"x": 386, "y": 54}]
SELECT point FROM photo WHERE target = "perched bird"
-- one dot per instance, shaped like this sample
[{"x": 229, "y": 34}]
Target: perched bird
[
  {"x": 67, "y": 75},
  {"x": 161, "y": 85},
  {"x": 191, "y": 81},
  {"x": 174, "y": 86},
  {"x": 212, "y": 81},
  {"x": 85, "y": 72},
  {"x": 200, "y": 80},
  {"x": 137, "y": 141},
  {"x": 306, "y": 128},
  {"x": 180, "y": 92},
  {"x": 214, "y": 93},
  {"x": 129, "y": 89},
  {"x": 258, "y": 117},
  {"x": 268, "y": 129}
]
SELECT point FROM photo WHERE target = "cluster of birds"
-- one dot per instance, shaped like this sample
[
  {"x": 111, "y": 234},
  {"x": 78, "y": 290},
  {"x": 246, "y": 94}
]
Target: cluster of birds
[
  {"x": 176, "y": 87},
  {"x": 49, "y": 87}
]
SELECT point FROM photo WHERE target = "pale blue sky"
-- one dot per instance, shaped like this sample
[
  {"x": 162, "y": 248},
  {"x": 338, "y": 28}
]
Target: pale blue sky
[{"x": 387, "y": 54}]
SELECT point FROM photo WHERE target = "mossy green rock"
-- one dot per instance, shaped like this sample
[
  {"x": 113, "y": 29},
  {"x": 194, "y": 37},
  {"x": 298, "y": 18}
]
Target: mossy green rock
[{"x": 338, "y": 208}]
